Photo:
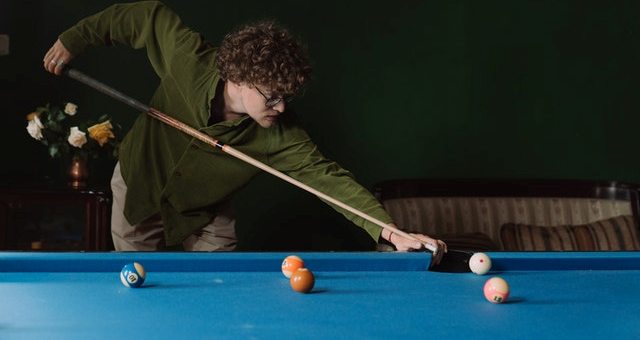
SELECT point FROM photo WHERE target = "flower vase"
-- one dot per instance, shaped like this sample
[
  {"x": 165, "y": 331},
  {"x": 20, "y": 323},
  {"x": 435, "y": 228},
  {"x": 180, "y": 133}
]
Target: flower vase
[{"x": 78, "y": 172}]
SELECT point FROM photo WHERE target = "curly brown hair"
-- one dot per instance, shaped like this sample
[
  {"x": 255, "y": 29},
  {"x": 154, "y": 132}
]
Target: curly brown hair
[{"x": 264, "y": 54}]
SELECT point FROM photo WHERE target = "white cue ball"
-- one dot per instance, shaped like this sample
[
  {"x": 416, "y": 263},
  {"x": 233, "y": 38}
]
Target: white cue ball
[{"x": 480, "y": 263}]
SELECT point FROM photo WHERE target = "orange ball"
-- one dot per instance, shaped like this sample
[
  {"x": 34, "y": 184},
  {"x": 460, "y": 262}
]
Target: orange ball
[
  {"x": 291, "y": 264},
  {"x": 496, "y": 290},
  {"x": 302, "y": 280}
]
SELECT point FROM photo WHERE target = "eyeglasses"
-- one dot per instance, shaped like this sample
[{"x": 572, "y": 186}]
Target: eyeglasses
[{"x": 270, "y": 101}]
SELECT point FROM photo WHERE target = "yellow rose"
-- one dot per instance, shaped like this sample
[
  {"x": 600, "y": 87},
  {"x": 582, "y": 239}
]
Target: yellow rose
[
  {"x": 101, "y": 133},
  {"x": 32, "y": 115}
]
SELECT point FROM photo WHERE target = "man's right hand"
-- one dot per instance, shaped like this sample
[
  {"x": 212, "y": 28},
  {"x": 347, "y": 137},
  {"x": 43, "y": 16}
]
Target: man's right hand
[{"x": 56, "y": 58}]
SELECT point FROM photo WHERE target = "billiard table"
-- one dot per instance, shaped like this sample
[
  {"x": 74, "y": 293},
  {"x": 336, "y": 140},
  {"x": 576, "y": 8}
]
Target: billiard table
[{"x": 356, "y": 295}]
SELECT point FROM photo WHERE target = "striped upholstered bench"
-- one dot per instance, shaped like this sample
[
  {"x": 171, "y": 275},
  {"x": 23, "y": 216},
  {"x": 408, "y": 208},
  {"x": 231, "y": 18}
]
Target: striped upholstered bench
[{"x": 517, "y": 215}]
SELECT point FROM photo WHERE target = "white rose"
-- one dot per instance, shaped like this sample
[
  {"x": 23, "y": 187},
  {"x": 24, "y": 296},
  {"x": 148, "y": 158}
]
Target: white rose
[
  {"x": 77, "y": 138},
  {"x": 71, "y": 109},
  {"x": 35, "y": 128}
]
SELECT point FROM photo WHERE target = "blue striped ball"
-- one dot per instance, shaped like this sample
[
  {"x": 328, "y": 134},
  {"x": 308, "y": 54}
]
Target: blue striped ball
[{"x": 132, "y": 275}]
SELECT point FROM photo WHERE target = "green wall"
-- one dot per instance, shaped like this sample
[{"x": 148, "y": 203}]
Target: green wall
[{"x": 441, "y": 89}]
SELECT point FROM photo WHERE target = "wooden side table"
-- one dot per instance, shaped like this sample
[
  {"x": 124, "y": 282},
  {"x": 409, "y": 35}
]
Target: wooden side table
[{"x": 58, "y": 218}]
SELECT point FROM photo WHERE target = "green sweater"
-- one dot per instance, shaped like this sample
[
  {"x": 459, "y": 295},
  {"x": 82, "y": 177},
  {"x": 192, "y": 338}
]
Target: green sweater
[{"x": 171, "y": 173}]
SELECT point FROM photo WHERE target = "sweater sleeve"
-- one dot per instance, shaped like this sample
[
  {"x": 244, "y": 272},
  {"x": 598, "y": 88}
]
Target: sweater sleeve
[
  {"x": 147, "y": 24},
  {"x": 293, "y": 153}
]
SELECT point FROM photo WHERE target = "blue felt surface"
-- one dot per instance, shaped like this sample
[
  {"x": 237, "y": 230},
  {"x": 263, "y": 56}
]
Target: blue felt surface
[{"x": 344, "y": 303}]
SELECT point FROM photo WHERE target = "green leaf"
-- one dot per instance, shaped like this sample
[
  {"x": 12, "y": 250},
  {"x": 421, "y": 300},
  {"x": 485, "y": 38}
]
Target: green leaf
[
  {"x": 53, "y": 150},
  {"x": 60, "y": 116},
  {"x": 55, "y": 127}
]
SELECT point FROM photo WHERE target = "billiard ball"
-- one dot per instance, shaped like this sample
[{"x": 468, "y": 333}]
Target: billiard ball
[
  {"x": 496, "y": 290},
  {"x": 290, "y": 264},
  {"x": 132, "y": 275},
  {"x": 480, "y": 263},
  {"x": 302, "y": 280}
]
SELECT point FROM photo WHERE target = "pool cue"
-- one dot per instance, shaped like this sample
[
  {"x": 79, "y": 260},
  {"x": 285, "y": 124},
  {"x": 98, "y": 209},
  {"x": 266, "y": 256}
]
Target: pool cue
[{"x": 101, "y": 87}]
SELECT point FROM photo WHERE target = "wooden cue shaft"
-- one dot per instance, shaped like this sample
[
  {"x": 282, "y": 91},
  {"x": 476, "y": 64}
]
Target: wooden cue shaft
[
  {"x": 248, "y": 159},
  {"x": 260, "y": 165},
  {"x": 101, "y": 87}
]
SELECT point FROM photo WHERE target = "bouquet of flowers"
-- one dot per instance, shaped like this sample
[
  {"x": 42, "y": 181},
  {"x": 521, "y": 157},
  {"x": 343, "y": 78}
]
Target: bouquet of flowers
[{"x": 64, "y": 134}]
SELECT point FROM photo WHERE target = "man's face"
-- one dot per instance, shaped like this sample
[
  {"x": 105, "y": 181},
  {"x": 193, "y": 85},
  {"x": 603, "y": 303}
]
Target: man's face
[{"x": 255, "y": 99}]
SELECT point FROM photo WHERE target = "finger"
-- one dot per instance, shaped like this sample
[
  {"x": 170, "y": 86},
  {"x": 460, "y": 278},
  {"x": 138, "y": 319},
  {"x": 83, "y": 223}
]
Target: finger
[
  {"x": 55, "y": 65},
  {"x": 47, "y": 63},
  {"x": 434, "y": 260},
  {"x": 439, "y": 253},
  {"x": 440, "y": 256},
  {"x": 47, "y": 55},
  {"x": 410, "y": 244},
  {"x": 422, "y": 240},
  {"x": 432, "y": 245},
  {"x": 437, "y": 244},
  {"x": 437, "y": 257},
  {"x": 442, "y": 247},
  {"x": 59, "y": 67},
  {"x": 50, "y": 65}
]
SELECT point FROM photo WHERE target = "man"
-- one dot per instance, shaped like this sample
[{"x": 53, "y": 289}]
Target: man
[{"x": 170, "y": 189}]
